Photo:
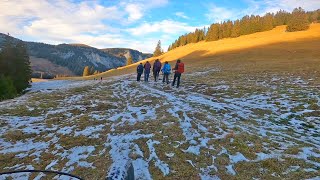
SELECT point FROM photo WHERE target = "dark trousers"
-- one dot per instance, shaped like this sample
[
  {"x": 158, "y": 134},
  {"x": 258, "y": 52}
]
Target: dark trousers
[
  {"x": 146, "y": 76},
  {"x": 139, "y": 76},
  {"x": 176, "y": 76},
  {"x": 165, "y": 78},
  {"x": 156, "y": 74}
]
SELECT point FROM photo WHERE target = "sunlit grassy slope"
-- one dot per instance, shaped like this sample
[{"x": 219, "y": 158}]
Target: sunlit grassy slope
[{"x": 262, "y": 48}]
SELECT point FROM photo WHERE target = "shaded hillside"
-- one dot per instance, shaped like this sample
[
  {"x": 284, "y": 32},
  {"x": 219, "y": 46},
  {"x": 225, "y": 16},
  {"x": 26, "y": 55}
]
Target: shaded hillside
[
  {"x": 45, "y": 67},
  {"x": 75, "y": 57},
  {"x": 125, "y": 52}
]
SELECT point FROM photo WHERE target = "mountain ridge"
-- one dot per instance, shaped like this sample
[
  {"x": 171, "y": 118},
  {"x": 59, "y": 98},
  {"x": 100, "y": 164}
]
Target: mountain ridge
[{"x": 75, "y": 57}]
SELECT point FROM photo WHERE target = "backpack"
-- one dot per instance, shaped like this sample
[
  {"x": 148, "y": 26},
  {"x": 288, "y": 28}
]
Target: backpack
[
  {"x": 180, "y": 68},
  {"x": 157, "y": 65},
  {"x": 147, "y": 66},
  {"x": 140, "y": 68},
  {"x": 166, "y": 69}
]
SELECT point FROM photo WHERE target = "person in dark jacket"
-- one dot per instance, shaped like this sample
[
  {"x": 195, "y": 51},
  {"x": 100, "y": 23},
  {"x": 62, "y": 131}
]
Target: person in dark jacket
[
  {"x": 147, "y": 67},
  {"x": 179, "y": 69},
  {"x": 156, "y": 69},
  {"x": 139, "y": 71},
  {"x": 166, "y": 70}
]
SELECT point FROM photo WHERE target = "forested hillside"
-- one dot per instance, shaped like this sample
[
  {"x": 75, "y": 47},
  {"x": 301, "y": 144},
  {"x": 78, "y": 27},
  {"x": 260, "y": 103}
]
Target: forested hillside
[
  {"x": 75, "y": 57},
  {"x": 298, "y": 20}
]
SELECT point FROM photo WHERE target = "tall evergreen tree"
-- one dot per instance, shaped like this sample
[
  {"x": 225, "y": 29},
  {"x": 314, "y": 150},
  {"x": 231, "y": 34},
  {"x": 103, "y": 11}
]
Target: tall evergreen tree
[
  {"x": 235, "y": 32},
  {"x": 213, "y": 33},
  {"x": 86, "y": 71},
  {"x": 298, "y": 21},
  {"x": 7, "y": 89},
  {"x": 267, "y": 22},
  {"x": 281, "y": 18},
  {"x": 15, "y": 68},
  {"x": 158, "y": 50}
]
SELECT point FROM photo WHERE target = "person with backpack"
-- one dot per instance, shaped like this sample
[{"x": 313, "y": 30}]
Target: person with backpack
[
  {"x": 179, "y": 69},
  {"x": 166, "y": 70},
  {"x": 147, "y": 67},
  {"x": 156, "y": 69},
  {"x": 139, "y": 71}
]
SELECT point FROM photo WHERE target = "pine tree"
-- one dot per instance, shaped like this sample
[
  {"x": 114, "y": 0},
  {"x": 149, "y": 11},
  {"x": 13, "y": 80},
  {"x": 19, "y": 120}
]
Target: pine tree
[
  {"x": 235, "y": 32},
  {"x": 298, "y": 21},
  {"x": 129, "y": 60},
  {"x": 158, "y": 50},
  {"x": 281, "y": 18},
  {"x": 267, "y": 22},
  {"x": 213, "y": 33},
  {"x": 7, "y": 89},
  {"x": 15, "y": 68},
  {"x": 86, "y": 71}
]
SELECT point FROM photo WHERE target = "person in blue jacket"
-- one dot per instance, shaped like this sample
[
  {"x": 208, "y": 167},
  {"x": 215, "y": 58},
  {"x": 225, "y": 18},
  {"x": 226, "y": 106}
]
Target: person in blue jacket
[
  {"x": 166, "y": 70},
  {"x": 139, "y": 71}
]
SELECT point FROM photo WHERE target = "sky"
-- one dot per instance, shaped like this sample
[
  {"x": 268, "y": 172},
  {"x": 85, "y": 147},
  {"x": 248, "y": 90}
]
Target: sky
[{"x": 136, "y": 24}]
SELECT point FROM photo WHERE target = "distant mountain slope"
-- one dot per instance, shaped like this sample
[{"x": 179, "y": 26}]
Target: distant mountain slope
[
  {"x": 40, "y": 65},
  {"x": 75, "y": 57},
  {"x": 124, "y": 52}
]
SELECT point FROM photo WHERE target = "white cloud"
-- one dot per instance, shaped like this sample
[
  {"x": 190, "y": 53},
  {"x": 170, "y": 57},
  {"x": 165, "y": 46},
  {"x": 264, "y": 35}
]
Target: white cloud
[
  {"x": 165, "y": 26},
  {"x": 182, "y": 15},
  {"x": 137, "y": 9},
  {"x": 64, "y": 21},
  {"x": 219, "y": 14},
  {"x": 134, "y": 11},
  {"x": 288, "y": 5},
  {"x": 258, "y": 7},
  {"x": 61, "y": 18}
]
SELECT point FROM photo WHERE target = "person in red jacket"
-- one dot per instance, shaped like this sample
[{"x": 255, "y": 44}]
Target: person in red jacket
[{"x": 179, "y": 69}]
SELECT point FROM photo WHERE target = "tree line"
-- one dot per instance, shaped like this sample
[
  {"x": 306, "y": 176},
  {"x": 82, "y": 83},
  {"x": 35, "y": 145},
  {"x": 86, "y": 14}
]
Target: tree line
[
  {"x": 298, "y": 20},
  {"x": 87, "y": 71},
  {"x": 15, "y": 70}
]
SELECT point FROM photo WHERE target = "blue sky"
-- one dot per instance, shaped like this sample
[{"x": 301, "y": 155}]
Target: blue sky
[{"x": 136, "y": 24}]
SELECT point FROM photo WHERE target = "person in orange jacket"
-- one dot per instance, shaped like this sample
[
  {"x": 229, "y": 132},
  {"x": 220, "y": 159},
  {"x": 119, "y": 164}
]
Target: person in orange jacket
[{"x": 179, "y": 69}]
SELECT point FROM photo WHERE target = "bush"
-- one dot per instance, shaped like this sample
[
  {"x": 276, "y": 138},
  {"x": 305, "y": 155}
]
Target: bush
[{"x": 7, "y": 89}]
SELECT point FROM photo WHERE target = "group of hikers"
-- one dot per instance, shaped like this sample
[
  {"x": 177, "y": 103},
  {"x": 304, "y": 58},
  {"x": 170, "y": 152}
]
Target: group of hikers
[{"x": 157, "y": 67}]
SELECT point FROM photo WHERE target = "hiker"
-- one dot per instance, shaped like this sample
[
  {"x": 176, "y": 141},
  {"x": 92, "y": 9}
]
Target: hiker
[
  {"x": 147, "y": 67},
  {"x": 166, "y": 70},
  {"x": 179, "y": 69},
  {"x": 101, "y": 79},
  {"x": 156, "y": 69},
  {"x": 139, "y": 71}
]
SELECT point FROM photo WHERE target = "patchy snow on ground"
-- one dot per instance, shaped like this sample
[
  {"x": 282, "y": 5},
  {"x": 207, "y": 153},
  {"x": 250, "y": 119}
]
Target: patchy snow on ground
[{"x": 207, "y": 131}]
